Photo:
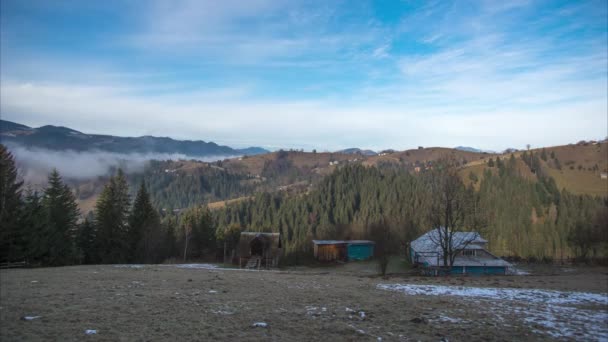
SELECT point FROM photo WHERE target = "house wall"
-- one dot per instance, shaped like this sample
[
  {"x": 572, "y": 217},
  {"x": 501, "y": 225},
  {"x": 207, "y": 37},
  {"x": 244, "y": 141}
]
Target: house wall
[
  {"x": 360, "y": 251},
  {"x": 479, "y": 270},
  {"x": 329, "y": 252}
]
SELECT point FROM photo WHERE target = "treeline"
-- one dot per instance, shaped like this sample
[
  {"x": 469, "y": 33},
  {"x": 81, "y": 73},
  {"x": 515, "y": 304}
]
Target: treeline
[
  {"x": 519, "y": 217},
  {"x": 176, "y": 189},
  {"x": 45, "y": 228}
]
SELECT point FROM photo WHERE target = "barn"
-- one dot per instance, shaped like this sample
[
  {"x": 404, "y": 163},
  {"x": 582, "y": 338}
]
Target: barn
[
  {"x": 257, "y": 250},
  {"x": 343, "y": 250},
  {"x": 471, "y": 255}
]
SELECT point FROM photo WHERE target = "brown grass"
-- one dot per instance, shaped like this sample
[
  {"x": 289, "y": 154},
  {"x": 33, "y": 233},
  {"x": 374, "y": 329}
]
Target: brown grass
[{"x": 168, "y": 303}]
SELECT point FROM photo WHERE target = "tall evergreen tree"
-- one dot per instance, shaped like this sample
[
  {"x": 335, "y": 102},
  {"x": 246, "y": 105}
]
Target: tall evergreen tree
[
  {"x": 111, "y": 221},
  {"x": 11, "y": 239},
  {"x": 34, "y": 225},
  {"x": 145, "y": 235},
  {"x": 87, "y": 242},
  {"x": 61, "y": 219}
]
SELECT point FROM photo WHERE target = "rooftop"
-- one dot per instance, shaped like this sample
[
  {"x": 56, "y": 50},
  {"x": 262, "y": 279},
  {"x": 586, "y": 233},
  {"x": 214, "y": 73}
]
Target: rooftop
[{"x": 340, "y": 242}]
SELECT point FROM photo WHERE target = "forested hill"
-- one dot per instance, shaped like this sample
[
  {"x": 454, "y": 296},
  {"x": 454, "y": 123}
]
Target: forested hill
[
  {"x": 58, "y": 138},
  {"x": 519, "y": 216}
]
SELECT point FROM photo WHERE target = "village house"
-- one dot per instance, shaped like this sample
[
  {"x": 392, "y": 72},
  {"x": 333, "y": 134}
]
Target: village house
[
  {"x": 343, "y": 250},
  {"x": 257, "y": 250},
  {"x": 472, "y": 257}
]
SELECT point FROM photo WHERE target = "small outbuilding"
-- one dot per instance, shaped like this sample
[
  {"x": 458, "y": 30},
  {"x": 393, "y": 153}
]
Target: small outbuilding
[
  {"x": 343, "y": 250},
  {"x": 258, "y": 249}
]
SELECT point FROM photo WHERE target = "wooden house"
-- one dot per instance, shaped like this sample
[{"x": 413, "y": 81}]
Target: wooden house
[
  {"x": 257, "y": 250},
  {"x": 471, "y": 255},
  {"x": 343, "y": 250}
]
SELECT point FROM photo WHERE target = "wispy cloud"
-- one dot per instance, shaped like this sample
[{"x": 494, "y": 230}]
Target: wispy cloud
[{"x": 316, "y": 75}]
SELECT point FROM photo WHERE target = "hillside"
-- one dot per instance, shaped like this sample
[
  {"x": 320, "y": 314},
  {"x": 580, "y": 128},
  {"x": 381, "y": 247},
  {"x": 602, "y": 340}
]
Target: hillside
[
  {"x": 575, "y": 167},
  {"x": 59, "y": 138}
]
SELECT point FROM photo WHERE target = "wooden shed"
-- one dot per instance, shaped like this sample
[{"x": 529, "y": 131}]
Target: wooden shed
[
  {"x": 330, "y": 250},
  {"x": 343, "y": 250},
  {"x": 258, "y": 249}
]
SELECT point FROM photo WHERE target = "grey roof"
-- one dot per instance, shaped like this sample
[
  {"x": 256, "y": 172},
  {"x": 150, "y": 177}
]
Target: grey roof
[
  {"x": 340, "y": 242},
  {"x": 428, "y": 241},
  {"x": 259, "y": 233},
  {"x": 429, "y": 252}
]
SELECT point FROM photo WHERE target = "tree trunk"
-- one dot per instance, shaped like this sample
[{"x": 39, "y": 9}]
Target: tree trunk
[{"x": 186, "y": 248}]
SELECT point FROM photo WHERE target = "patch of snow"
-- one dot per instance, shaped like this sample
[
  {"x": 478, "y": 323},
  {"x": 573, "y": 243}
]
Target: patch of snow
[
  {"x": 212, "y": 291},
  {"x": 34, "y": 281},
  {"x": 31, "y": 318},
  {"x": 129, "y": 266},
  {"x": 516, "y": 271},
  {"x": 362, "y": 314},
  {"x": 90, "y": 332},
  {"x": 511, "y": 294},
  {"x": 198, "y": 266},
  {"x": 260, "y": 325},
  {"x": 554, "y": 311},
  {"x": 212, "y": 267},
  {"x": 449, "y": 319},
  {"x": 222, "y": 312},
  {"x": 349, "y": 310}
]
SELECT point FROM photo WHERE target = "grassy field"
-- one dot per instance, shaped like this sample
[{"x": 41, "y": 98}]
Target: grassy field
[{"x": 342, "y": 303}]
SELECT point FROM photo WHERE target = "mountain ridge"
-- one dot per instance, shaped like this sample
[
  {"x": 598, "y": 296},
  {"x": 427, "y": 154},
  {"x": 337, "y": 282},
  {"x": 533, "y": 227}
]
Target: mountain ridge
[{"x": 60, "y": 138}]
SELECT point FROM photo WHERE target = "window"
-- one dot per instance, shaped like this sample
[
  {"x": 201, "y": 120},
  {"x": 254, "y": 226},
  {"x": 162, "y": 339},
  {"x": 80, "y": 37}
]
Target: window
[{"x": 468, "y": 252}]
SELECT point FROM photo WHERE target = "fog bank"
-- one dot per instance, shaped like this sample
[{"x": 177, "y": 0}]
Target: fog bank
[{"x": 35, "y": 163}]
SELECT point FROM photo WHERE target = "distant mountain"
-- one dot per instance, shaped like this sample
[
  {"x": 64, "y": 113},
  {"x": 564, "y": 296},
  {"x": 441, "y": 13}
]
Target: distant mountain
[
  {"x": 355, "y": 150},
  {"x": 472, "y": 149},
  {"x": 62, "y": 138},
  {"x": 251, "y": 151}
]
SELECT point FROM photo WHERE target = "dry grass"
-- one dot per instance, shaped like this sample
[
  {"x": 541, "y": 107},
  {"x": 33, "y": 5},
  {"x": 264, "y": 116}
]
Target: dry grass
[{"x": 169, "y": 303}]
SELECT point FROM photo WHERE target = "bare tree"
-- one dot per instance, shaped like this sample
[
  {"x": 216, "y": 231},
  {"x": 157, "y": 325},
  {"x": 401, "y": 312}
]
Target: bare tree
[
  {"x": 448, "y": 210},
  {"x": 381, "y": 234}
]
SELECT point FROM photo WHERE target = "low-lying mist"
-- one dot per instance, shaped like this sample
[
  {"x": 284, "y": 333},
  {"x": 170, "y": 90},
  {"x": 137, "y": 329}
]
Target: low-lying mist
[{"x": 35, "y": 163}]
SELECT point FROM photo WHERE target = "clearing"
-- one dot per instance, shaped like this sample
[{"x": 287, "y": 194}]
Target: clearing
[{"x": 204, "y": 302}]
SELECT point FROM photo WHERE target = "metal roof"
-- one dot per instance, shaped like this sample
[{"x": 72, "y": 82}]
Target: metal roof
[
  {"x": 340, "y": 242},
  {"x": 428, "y": 241},
  {"x": 259, "y": 233},
  {"x": 429, "y": 252}
]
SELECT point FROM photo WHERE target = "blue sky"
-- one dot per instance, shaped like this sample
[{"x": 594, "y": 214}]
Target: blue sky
[{"x": 314, "y": 74}]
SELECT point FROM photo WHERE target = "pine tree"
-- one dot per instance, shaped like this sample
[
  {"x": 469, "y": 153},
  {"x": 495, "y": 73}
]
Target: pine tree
[
  {"x": 86, "y": 242},
  {"x": 111, "y": 214},
  {"x": 61, "y": 219},
  {"x": 145, "y": 236},
  {"x": 34, "y": 225},
  {"x": 11, "y": 239}
]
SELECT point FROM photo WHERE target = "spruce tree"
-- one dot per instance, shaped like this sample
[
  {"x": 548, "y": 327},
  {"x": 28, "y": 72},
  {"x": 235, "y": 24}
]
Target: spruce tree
[
  {"x": 87, "y": 242},
  {"x": 145, "y": 239},
  {"x": 61, "y": 219},
  {"x": 111, "y": 214},
  {"x": 34, "y": 225},
  {"x": 11, "y": 239}
]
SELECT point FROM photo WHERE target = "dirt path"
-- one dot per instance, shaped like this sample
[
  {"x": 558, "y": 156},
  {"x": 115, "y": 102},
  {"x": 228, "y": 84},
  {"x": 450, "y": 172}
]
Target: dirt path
[{"x": 170, "y": 303}]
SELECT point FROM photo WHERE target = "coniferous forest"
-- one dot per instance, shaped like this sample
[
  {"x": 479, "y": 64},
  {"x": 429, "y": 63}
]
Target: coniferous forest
[{"x": 519, "y": 217}]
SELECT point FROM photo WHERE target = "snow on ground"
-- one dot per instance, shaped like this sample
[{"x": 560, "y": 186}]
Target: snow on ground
[
  {"x": 210, "y": 267},
  {"x": 198, "y": 266},
  {"x": 555, "y": 313}
]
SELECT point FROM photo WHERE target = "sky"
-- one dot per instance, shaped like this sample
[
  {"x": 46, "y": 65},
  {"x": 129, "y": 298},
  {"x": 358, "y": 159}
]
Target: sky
[{"x": 320, "y": 75}]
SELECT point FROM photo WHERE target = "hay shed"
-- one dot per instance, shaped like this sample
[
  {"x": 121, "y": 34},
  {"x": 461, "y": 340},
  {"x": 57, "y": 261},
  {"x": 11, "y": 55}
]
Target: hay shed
[
  {"x": 258, "y": 249},
  {"x": 343, "y": 250}
]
